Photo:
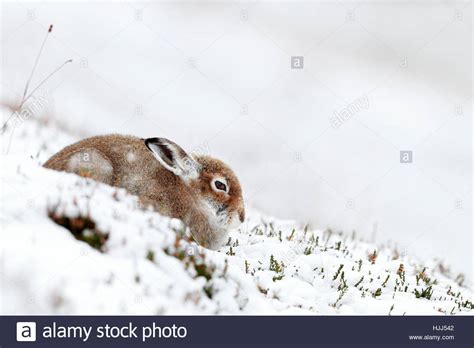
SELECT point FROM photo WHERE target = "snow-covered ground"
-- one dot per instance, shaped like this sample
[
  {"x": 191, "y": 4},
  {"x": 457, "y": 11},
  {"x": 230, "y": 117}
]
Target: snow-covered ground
[{"x": 132, "y": 261}]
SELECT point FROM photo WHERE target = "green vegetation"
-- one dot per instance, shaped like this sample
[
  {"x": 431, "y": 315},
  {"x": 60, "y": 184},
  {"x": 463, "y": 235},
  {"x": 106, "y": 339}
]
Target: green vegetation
[{"x": 83, "y": 228}]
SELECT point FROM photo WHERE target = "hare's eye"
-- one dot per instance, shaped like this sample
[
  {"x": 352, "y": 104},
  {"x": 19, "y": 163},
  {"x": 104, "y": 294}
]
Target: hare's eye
[{"x": 220, "y": 185}]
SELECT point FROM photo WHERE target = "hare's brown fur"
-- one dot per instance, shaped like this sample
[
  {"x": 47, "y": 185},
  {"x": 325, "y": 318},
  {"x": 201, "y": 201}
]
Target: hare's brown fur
[{"x": 125, "y": 161}]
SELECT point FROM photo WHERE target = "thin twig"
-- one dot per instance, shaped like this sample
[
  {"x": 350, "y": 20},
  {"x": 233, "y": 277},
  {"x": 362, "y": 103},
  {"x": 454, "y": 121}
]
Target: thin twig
[
  {"x": 46, "y": 79},
  {"x": 26, "y": 97},
  {"x": 36, "y": 63}
]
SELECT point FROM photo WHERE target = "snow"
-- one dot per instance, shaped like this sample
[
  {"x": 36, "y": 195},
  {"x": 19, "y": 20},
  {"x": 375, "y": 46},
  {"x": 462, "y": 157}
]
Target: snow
[{"x": 149, "y": 265}]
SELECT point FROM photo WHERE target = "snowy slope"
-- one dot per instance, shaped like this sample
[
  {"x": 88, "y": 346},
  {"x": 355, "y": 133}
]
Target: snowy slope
[{"x": 138, "y": 262}]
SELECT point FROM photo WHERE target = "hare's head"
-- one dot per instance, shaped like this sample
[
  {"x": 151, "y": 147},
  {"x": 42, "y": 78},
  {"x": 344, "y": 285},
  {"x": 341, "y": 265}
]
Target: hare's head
[{"x": 211, "y": 182}]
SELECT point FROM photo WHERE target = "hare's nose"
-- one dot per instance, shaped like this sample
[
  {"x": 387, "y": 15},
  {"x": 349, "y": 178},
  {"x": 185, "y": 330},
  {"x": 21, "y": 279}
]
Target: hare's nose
[{"x": 242, "y": 215}]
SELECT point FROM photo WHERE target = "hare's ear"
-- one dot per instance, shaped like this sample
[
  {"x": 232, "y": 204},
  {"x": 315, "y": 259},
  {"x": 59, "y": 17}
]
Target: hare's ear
[{"x": 173, "y": 158}]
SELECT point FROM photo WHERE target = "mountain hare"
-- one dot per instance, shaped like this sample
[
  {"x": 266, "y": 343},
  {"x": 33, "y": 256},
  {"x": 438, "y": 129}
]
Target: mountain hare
[{"x": 200, "y": 190}]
